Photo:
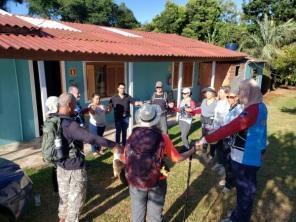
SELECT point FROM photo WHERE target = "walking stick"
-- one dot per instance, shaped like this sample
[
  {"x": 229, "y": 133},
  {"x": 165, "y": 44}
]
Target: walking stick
[{"x": 187, "y": 186}]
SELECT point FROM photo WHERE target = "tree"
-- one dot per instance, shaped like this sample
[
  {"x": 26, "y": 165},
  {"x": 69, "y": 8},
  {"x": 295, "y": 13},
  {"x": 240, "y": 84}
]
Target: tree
[
  {"x": 170, "y": 20},
  {"x": 269, "y": 38},
  {"x": 100, "y": 12},
  {"x": 125, "y": 17},
  {"x": 203, "y": 17},
  {"x": 279, "y": 10},
  {"x": 285, "y": 64}
]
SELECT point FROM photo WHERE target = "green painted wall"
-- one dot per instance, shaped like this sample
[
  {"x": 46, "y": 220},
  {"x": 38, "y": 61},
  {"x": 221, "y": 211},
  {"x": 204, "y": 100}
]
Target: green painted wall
[
  {"x": 24, "y": 85},
  {"x": 147, "y": 73},
  {"x": 16, "y": 113},
  {"x": 259, "y": 66},
  {"x": 145, "y": 76},
  {"x": 76, "y": 80}
]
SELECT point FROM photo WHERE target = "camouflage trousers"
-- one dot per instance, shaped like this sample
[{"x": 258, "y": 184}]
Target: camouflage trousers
[{"x": 72, "y": 192}]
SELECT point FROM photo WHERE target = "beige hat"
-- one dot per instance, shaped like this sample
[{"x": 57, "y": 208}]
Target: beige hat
[
  {"x": 148, "y": 115},
  {"x": 158, "y": 84},
  {"x": 52, "y": 103},
  {"x": 186, "y": 90}
]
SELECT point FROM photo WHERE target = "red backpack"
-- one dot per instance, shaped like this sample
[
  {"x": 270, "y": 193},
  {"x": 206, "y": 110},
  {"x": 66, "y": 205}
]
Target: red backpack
[{"x": 143, "y": 154}]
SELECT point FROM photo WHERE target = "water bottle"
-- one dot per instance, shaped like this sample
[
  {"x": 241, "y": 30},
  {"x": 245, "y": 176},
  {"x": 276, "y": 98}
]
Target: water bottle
[{"x": 59, "y": 148}]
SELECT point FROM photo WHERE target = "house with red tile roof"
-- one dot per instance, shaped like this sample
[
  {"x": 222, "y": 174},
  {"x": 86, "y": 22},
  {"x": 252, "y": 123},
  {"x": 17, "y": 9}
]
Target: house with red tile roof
[{"x": 41, "y": 58}]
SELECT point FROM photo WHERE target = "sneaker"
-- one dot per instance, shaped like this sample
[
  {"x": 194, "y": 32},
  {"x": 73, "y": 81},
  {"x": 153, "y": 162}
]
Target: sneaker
[
  {"x": 216, "y": 167},
  {"x": 226, "y": 220},
  {"x": 225, "y": 190},
  {"x": 222, "y": 183}
]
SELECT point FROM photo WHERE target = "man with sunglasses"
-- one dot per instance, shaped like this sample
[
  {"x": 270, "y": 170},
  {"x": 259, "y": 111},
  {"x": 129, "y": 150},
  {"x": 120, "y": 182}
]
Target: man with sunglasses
[{"x": 160, "y": 98}]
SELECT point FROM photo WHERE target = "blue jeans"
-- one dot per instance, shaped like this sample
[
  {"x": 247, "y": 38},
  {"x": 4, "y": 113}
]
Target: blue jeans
[
  {"x": 121, "y": 126},
  {"x": 96, "y": 130},
  {"x": 151, "y": 201},
  {"x": 246, "y": 185}
]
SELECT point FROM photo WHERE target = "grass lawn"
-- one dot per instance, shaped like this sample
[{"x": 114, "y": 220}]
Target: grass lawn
[{"x": 109, "y": 201}]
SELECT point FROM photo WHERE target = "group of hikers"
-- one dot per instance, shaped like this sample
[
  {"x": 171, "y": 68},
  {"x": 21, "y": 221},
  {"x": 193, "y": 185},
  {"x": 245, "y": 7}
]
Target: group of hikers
[{"x": 233, "y": 128}]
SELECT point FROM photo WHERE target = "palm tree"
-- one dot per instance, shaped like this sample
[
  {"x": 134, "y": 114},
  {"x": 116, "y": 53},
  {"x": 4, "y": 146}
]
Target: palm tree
[{"x": 266, "y": 43}]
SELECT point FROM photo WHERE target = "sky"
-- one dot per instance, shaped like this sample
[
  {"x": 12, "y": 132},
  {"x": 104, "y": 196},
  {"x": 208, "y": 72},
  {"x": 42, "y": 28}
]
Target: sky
[{"x": 144, "y": 10}]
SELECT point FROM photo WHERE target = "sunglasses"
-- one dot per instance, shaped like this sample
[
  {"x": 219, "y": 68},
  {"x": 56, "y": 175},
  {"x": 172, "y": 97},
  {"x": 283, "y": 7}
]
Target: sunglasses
[
  {"x": 230, "y": 97},
  {"x": 158, "y": 87},
  {"x": 185, "y": 93}
]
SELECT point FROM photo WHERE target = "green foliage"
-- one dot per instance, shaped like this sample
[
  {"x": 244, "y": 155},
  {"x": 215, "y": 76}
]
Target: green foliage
[
  {"x": 202, "y": 19},
  {"x": 171, "y": 20},
  {"x": 270, "y": 37},
  {"x": 285, "y": 64},
  {"x": 279, "y": 10},
  {"x": 100, "y": 12},
  {"x": 230, "y": 33},
  {"x": 214, "y": 21}
]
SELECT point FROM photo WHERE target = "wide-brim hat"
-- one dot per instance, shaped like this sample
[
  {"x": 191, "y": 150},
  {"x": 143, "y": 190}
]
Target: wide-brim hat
[
  {"x": 148, "y": 115},
  {"x": 208, "y": 89}
]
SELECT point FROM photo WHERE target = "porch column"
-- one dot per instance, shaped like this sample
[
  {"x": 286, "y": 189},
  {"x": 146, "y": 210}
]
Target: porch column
[
  {"x": 34, "y": 100},
  {"x": 180, "y": 81},
  {"x": 43, "y": 90},
  {"x": 213, "y": 74},
  {"x": 63, "y": 76},
  {"x": 131, "y": 93}
]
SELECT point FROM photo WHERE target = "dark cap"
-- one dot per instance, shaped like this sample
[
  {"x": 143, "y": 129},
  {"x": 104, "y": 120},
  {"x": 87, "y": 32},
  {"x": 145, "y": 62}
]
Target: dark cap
[{"x": 208, "y": 89}]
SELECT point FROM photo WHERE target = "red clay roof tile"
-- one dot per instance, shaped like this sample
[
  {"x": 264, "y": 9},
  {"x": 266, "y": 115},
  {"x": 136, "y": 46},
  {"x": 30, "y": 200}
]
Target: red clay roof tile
[{"x": 98, "y": 40}]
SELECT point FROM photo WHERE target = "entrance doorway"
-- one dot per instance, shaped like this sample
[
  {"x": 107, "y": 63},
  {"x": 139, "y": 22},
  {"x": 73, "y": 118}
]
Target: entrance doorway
[{"x": 48, "y": 82}]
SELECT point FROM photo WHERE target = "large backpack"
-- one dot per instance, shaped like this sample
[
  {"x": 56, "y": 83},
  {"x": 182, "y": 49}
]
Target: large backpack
[
  {"x": 144, "y": 153},
  {"x": 51, "y": 129}
]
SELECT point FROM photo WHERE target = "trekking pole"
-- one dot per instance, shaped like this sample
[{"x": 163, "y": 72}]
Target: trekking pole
[{"x": 187, "y": 185}]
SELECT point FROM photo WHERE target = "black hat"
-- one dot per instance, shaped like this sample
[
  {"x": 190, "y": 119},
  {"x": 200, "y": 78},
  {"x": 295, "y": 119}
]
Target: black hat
[{"x": 208, "y": 89}]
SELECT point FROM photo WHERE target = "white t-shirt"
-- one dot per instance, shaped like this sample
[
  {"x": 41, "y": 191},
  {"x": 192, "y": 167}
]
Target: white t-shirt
[
  {"x": 221, "y": 110},
  {"x": 99, "y": 118}
]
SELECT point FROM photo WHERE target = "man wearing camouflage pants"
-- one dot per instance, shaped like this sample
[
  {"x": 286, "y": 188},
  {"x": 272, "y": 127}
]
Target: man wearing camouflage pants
[{"x": 71, "y": 172}]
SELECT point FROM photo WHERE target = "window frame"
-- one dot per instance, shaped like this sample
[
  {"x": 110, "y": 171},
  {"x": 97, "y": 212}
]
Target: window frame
[
  {"x": 192, "y": 76},
  {"x": 84, "y": 65}
]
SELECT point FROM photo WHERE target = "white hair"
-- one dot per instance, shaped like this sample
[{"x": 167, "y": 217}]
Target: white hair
[{"x": 65, "y": 99}]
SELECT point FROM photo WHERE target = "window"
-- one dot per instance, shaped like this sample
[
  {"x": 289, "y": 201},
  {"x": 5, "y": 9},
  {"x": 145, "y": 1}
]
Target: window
[
  {"x": 187, "y": 74},
  {"x": 236, "y": 70},
  {"x": 103, "y": 78}
]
